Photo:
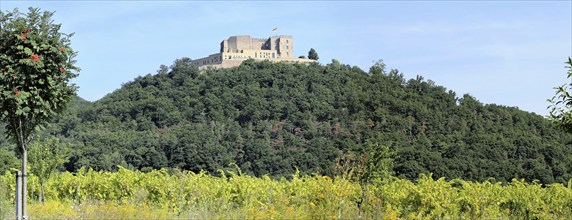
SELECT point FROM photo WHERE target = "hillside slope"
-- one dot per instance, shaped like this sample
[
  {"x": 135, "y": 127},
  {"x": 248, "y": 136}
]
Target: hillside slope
[{"x": 274, "y": 118}]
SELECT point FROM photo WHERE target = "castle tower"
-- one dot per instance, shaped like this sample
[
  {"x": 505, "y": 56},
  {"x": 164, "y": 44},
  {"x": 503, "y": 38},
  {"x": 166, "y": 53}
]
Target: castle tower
[{"x": 285, "y": 46}]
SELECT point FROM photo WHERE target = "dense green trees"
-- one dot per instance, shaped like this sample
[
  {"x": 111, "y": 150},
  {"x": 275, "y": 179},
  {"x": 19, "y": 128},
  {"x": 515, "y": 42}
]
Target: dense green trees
[
  {"x": 274, "y": 118},
  {"x": 313, "y": 55},
  {"x": 561, "y": 104}
]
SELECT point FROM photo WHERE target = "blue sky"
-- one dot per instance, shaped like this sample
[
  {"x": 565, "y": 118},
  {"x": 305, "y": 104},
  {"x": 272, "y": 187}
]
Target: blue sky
[{"x": 506, "y": 52}]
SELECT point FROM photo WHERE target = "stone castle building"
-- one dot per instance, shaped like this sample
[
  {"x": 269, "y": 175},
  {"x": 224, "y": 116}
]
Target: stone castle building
[{"x": 237, "y": 49}]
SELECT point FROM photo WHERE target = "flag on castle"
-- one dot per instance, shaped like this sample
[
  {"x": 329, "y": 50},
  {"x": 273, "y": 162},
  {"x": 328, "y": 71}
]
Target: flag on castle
[{"x": 275, "y": 29}]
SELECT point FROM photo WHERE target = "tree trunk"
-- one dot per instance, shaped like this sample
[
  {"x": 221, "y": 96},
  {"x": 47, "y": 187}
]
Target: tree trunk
[
  {"x": 24, "y": 180},
  {"x": 18, "y": 195},
  {"x": 42, "y": 193},
  {"x": 21, "y": 141},
  {"x": 32, "y": 191}
]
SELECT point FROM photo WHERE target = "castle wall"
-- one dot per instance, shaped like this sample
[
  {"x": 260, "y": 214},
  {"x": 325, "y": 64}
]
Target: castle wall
[
  {"x": 237, "y": 62},
  {"x": 236, "y": 44},
  {"x": 210, "y": 60}
]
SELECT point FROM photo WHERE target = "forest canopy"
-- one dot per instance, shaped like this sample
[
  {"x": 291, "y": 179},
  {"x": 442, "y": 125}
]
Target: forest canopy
[{"x": 276, "y": 118}]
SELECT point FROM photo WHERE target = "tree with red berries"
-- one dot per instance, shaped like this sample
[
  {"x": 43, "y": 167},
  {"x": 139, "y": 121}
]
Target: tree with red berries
[{"x": 37, "y": 66}]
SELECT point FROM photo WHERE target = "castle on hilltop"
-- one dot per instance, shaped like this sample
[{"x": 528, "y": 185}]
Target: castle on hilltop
[{"x": 237, "y": 49}]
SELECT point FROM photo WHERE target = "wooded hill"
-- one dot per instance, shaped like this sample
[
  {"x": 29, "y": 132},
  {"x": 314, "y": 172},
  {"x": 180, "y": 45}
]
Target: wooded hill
[{"x": 274, "y": 118}]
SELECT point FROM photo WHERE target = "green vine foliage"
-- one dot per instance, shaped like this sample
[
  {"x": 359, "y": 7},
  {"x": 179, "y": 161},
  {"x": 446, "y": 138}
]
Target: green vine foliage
[
  {"x": 46, "y": 157},
  {"x": 37, "y": 65},
  {"x": 561, "y": 104},
  {"x": 89, "y": 194}
]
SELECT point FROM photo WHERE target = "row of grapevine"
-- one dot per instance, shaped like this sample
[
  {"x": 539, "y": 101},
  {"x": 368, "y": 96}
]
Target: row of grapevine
[{"x": 185, "y": 194}]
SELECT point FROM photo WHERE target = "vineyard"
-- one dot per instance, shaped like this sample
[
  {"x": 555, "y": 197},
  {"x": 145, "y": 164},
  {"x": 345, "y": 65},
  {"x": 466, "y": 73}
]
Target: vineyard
[{"x": 160, "y": 194}]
